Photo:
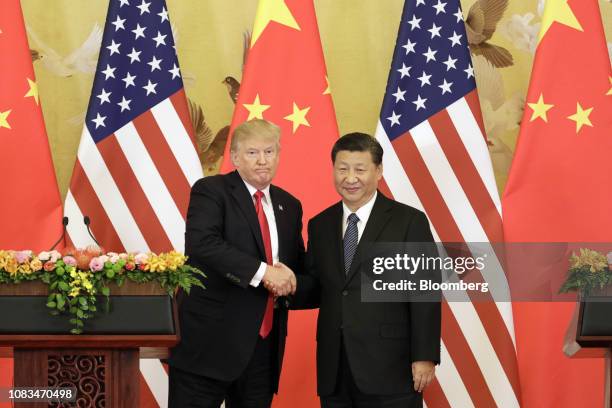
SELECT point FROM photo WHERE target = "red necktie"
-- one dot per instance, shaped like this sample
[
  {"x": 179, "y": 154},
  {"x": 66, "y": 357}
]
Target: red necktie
[{"x": 266, "y": 324}]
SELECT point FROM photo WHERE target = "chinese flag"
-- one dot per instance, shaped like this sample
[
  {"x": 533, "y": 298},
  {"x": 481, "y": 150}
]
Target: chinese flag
[
  {"x": 559, "y": 189},
  {"x": 30, "y": 208},
  {"x": 285, "y": 82}
]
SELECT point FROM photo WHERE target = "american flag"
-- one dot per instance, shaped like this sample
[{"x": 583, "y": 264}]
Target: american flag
[
  {"x": 436, "y": 159},
  {"x": 137, "y": 160}
]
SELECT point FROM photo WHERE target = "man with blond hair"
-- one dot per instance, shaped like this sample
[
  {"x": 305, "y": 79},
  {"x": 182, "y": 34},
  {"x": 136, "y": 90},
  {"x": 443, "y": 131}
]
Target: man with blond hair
[{"x": 239, "y": 226}]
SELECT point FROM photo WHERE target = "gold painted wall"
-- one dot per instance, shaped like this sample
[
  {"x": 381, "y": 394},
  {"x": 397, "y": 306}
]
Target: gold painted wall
[{"x": 358, "y": 37}]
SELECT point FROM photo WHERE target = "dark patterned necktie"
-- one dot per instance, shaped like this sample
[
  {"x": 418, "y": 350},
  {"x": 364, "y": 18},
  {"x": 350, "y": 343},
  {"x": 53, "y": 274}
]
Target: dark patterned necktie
[{"x": 351, "y": 238}]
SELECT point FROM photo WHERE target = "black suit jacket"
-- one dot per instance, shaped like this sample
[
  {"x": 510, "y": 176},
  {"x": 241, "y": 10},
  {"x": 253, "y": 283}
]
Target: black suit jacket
[
  {"x": 220, "y": 325},
  {"x": 381, "y": 339}
]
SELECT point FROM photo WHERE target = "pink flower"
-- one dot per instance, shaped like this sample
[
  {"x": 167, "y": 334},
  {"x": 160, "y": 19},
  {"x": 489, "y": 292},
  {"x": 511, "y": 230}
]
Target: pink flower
[
  {"x": 69, "y": 260},
  {"x": 23, "y": 256},
  {"x": 141, "y": 258},
  {"x": 113, "y": 257},
  {"x": 55, "y": 255},
  {"x": 96, "y": 264},
  {"x": 49, "y": 266},
  {"x": 103, "y": 259},
  {"x": 130, "y": 266}
]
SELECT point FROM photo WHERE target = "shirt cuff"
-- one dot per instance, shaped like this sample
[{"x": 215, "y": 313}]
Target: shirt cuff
[{"x": 259, "y": 275}]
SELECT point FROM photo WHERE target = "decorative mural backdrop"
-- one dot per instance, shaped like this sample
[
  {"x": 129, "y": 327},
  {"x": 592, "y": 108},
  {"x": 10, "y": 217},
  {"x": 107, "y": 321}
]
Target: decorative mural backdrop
[{"x": 358, "y": 38}]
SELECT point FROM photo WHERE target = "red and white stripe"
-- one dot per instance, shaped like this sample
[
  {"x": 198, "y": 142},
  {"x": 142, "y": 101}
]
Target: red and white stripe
[
  {"x": 442, "y": 167},
  {"x": 134, "y": 185}
]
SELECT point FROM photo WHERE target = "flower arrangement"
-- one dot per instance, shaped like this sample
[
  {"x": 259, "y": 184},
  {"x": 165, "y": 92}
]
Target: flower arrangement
[
  {"x": 589, "y": 270},
  {"x": 76, "y": 276}
]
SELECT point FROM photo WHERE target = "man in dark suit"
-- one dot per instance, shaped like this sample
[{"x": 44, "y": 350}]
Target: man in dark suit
[
  {"x": 238, "y": 227},
  {"x": 368, "y": 354}
]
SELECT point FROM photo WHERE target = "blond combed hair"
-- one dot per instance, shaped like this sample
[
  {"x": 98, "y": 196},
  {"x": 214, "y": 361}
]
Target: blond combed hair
[{"x": 259, "y": 127}]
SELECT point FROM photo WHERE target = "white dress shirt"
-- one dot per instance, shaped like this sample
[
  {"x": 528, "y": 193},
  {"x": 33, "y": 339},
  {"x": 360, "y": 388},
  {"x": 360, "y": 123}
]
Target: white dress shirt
[
  {"x": 363, "y": 213},
  {"x": 266, "y": 203}
]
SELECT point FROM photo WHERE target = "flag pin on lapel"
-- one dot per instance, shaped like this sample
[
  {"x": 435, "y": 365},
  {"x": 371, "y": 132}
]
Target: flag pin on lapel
[{"x": 280, "y": 207}]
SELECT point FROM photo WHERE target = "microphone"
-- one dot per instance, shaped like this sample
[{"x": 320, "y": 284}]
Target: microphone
[
  {"x": 87, "y": 221},
  {"x": 63, "y": 236}
]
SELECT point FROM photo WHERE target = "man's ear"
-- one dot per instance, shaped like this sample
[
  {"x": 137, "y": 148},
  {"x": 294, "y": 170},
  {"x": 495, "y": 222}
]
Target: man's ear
[{"x": 379, "y": 170}]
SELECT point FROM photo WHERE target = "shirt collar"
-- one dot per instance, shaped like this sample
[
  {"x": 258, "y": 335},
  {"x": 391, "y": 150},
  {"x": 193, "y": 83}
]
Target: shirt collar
[
  {"x": 362, "y": 212},
  {"x": 253, "y": 190}
]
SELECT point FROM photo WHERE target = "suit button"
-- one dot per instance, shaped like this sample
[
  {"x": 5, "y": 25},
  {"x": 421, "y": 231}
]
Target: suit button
[{"x": 344, "y": 292}]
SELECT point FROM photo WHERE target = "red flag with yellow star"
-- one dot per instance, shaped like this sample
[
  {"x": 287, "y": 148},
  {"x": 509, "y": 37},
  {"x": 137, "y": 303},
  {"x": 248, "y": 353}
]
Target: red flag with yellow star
[
  {"x": 559, "y": 190},
  {"x": 30, "y": 208},
  {"x": 285, "y": 82}
]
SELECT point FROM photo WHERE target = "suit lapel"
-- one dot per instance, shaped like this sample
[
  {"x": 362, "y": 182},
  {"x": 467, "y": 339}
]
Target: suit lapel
[
  {"x": 333, "y": 246},
  {"x": 245, "y": 203},
  {"x": 336, "y": 240},
  {"x": 282, "y": 222},
  {"x": 379, "y": 217}
]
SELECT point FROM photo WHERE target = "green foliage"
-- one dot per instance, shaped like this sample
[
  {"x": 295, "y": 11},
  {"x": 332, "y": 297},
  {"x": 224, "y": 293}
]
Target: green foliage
[{"x": 582, "y": 279}]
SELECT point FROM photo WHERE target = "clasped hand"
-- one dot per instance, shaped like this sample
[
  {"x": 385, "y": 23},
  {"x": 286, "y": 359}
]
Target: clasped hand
[{"x": 280, "y": 280}]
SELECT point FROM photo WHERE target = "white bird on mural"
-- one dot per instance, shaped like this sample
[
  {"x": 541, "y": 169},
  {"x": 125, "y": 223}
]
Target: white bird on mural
[
  {"x": 522, "y": 29},
  {"x": 83, "y": 59}
]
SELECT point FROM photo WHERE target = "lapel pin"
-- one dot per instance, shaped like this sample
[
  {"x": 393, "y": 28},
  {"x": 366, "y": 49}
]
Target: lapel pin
[{"x": 280, "y": 207}]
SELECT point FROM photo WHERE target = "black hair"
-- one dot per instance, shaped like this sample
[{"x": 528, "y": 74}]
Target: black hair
[{"x": 358, "y": 142}]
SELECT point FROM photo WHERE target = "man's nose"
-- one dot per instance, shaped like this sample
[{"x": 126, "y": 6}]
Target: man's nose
[
  {"x": 261, "y": 158},
  {"x": 351, "y": 177}
]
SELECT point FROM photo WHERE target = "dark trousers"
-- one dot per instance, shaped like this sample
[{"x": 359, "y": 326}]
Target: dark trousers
[
  {"x": 348, "y": 395},
  {"x": 253, "y": 389}
]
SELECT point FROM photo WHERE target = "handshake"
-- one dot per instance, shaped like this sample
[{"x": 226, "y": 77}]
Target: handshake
[{"x": 279, "y": 280}]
